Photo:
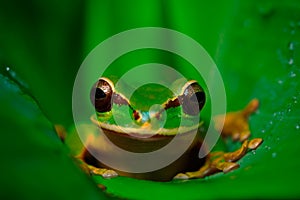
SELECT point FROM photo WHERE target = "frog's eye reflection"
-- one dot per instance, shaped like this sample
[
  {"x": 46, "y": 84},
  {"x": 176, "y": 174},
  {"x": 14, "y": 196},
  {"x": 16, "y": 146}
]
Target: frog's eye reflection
[
  {"x": 193, "y": 98},
  {"x": 101, "y": 95}
]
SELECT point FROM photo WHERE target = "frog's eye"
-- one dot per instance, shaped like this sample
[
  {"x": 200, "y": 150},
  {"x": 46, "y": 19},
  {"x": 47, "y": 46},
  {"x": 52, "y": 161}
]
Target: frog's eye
[
  {"x": 101, "y": 95},
  {"x": 192, "y": 98}
]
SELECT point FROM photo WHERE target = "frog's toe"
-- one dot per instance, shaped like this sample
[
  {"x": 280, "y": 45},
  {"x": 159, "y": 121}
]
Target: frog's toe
[
  {"x": 229, "y": 166},
  {"x": 181, "y": 176},
  {"x": 254, "y": 143},
  {"x": 244, "y": 135},
  {"x": 109, "y": 174},
  {"x": 241, "y": 136},
  {"x": 96, "y": 171},
  {"x": 105, "y": 173},
  {"x": 238, "y": 154}
]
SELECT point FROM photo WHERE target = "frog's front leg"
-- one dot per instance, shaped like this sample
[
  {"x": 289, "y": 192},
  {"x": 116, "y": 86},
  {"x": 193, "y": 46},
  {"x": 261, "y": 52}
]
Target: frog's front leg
[
  {"x": 85, "y": 159},
  {"x": 235, "y": 126},
  {"x": 221, "y": 161}
]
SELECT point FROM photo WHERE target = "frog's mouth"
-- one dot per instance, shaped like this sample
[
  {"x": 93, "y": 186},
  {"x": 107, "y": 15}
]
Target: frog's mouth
[{"x": 145, "y": 130}]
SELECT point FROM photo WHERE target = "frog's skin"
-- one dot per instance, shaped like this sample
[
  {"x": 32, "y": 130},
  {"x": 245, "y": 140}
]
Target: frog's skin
[{"x": 190, "y": 99}]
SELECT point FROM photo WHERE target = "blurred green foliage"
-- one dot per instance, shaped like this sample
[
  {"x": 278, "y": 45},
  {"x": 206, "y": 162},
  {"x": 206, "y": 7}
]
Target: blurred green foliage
[
  {"x": 256, "y": 45},
  {"x": 35, "y": 163},
  {"x": 42, "y": 42}
]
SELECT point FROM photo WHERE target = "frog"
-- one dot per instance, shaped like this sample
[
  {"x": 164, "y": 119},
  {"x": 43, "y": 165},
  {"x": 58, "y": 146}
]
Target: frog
[{"x": 187, "y": 102}]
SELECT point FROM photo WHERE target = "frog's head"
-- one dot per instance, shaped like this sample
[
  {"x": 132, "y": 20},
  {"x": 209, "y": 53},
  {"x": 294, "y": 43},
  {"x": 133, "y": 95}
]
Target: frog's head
[
  {"x": 170, "y": 107},
  {"x": 147, "y": 122}
]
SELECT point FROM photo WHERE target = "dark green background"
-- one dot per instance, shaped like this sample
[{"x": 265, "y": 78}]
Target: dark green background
[{"x": 256, "y": 45}]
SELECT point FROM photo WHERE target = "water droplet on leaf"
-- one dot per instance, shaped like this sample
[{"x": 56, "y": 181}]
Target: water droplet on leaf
[
  {"x": 292, "y": 74},
  {"x": 291, "y": 46}
]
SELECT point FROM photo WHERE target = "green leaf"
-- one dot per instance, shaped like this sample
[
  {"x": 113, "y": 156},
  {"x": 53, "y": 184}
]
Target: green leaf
[
  {"x": 257, "y": 51},
  {"x": 35, "y": 163}
]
